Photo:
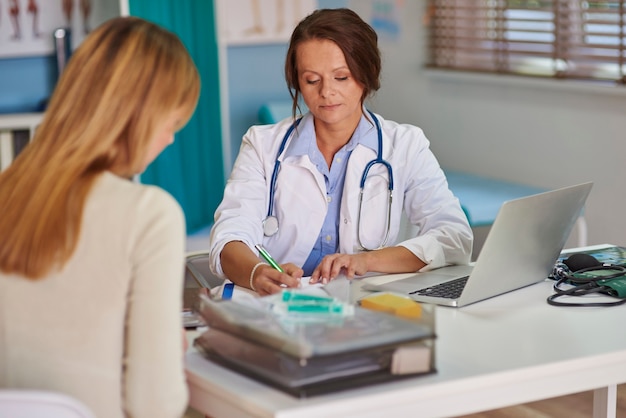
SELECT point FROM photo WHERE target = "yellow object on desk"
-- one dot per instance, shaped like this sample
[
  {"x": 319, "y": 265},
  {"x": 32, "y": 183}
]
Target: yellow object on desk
[{"x": 394, "y": 304}]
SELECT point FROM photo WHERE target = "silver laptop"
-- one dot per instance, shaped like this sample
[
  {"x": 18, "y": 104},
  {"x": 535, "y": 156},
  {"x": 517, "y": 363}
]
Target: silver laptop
[{"x": 521, "y": 249}]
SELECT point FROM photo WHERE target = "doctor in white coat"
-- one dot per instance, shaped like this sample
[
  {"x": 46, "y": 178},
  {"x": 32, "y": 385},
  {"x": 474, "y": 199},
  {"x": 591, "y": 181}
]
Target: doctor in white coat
[{"x": 325, "y": 193}]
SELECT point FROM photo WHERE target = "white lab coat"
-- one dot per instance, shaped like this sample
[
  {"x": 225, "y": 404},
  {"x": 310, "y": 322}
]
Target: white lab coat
[{"x": 420, "y": 188}]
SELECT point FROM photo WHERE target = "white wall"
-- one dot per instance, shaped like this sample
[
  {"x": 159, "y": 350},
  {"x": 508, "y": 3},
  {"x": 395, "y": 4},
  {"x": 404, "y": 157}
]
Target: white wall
[{"x": 544, "y": 133}]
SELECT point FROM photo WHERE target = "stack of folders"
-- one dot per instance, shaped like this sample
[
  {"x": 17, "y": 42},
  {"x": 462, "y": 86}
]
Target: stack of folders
[{"x": 304, "y": 352}]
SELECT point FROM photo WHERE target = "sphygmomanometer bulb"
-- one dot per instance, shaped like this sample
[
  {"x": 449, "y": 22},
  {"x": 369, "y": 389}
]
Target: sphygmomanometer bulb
[{"x": 581, "y": 261}]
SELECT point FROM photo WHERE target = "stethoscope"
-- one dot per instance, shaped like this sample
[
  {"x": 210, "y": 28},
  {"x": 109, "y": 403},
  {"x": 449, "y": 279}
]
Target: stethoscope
[{"x": 270, "y": 223}]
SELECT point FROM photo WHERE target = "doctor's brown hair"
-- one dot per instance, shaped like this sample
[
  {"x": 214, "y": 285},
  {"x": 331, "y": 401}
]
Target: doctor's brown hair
[
  {"x": 356, "y": 39},
  {"x": 116, "y": 90}
]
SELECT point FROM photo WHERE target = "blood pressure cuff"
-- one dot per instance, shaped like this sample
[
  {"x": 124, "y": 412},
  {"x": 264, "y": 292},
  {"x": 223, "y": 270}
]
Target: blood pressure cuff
[{"x": 616, "y": 287}]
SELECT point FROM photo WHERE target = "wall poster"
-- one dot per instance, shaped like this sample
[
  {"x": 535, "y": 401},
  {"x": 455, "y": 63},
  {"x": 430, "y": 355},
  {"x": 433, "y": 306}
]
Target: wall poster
[
  {"x": 27, "y": 26},
  {"x": 244, "y": 22}
]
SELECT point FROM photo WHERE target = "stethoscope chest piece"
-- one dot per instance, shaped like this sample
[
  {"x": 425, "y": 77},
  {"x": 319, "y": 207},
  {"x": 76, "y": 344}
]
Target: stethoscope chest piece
[{"x": 270, "y": 226}]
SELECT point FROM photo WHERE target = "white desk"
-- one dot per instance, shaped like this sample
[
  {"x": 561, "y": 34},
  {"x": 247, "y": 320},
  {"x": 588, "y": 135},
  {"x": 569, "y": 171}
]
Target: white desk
[{"x": 507, "y": 350}]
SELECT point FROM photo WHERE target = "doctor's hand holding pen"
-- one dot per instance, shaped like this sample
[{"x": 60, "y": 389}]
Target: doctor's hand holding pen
[
  {"x": 324, "y": 192},
  {"x": 262, "y": 277}
]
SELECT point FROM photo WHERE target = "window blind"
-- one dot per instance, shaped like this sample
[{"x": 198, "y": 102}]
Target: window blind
[{"x": 546, "y": 38}]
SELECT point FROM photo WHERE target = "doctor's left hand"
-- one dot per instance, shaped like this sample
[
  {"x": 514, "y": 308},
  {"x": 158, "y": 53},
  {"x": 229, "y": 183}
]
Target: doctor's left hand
[{"x": 334, "y": 264}]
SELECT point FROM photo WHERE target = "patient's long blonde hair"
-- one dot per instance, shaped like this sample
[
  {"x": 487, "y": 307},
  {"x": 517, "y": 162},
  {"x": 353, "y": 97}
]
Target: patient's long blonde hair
[{"x": 124, "y": 79}]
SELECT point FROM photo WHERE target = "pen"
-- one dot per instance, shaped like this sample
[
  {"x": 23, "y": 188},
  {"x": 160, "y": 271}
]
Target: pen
[{"x": 267, "y": 257}]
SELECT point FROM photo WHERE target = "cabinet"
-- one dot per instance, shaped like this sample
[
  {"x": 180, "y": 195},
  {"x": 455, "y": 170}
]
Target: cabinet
[{"x": 16, "y": 130}]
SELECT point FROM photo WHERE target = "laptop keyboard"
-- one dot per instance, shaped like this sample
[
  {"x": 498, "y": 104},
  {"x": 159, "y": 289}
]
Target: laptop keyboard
[{"x": 449, "y": 290}]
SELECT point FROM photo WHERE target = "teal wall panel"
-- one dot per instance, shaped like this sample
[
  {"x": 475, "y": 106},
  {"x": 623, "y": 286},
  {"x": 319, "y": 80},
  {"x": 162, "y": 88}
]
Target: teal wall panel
[{"x": 191, "y": 169}]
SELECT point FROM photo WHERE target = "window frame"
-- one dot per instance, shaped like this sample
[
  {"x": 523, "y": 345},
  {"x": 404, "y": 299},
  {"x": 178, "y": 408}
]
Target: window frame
[{"x": 554, "y": 39}]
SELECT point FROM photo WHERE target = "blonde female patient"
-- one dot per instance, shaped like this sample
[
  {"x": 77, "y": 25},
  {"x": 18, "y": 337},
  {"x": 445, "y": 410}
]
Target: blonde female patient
[{"x": 91, "y": 263}]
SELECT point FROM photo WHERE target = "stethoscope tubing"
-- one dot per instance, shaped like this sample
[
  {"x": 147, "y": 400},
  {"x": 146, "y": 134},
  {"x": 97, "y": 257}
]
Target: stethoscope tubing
[
  {"x": 270, "y": 223},
  {"x": 270, "y": 207}
]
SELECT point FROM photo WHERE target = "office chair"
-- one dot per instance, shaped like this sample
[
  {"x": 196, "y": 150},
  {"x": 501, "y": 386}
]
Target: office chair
[
  {"x": 198, "y": 273},
  {"x": 198, "y": 278},
  {"x": 23, "y": 403}
]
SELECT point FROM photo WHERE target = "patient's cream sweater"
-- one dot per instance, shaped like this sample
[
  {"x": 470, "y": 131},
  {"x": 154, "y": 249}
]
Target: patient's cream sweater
[{"x": 107, "y": 328}]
